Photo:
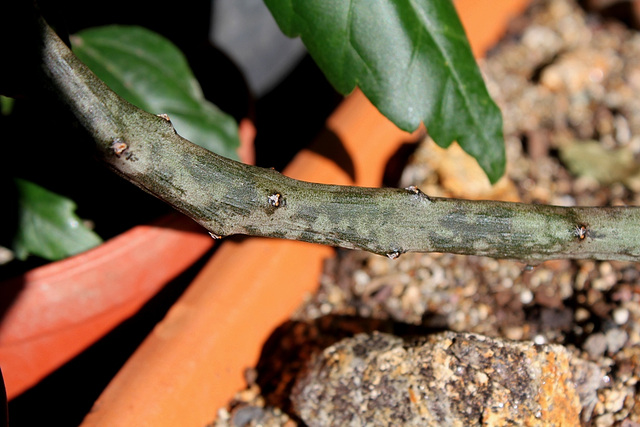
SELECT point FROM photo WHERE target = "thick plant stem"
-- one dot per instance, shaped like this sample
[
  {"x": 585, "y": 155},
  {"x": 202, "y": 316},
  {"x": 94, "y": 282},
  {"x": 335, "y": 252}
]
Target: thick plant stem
[{"x": 227, "y": 197}]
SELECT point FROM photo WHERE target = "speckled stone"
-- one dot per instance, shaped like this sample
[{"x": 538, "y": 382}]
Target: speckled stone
[{"x": 453, "y": 379}]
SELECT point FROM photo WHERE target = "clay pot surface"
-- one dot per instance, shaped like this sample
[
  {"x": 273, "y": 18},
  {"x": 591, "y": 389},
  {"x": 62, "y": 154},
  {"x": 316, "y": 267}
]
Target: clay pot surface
[{"x": 52, "y": 313}]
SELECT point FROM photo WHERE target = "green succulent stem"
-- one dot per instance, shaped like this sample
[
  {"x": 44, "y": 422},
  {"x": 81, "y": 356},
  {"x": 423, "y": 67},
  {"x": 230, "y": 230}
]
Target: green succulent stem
[{"x": 227, "y": 197}]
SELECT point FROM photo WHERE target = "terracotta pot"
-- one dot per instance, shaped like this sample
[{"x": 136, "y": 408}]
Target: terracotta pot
[
  {"x": 193, "y": 361},
  {"x": 52, "y": 313}
]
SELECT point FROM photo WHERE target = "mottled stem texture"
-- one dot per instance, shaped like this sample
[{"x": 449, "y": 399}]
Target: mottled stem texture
[{"x": 227, "y": 197}]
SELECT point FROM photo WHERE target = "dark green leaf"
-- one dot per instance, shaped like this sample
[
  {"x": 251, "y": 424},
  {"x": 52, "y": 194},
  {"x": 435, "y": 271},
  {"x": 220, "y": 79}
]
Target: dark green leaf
[
  {"x": 48, "y": 226},
  {"x": 411, "y": 59},
  {"x": 150, "y": 72},
  {"x": 6, "y": 105}
]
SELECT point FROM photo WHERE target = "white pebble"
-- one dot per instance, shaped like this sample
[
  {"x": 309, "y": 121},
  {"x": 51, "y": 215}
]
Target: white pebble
[
  {"x": 539, "y": 339},
  {"x": 526, "y": 297},
  {"x": 620, "y": 315},
  {"x": 361, "y": 278}
]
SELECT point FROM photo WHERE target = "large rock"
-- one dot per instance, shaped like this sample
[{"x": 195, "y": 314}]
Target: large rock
[{"x": 447, "y": 379}]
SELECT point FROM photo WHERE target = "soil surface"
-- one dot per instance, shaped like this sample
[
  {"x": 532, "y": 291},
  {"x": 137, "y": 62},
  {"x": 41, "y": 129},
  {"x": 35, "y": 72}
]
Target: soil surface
[{"x": 567, "y": 81}]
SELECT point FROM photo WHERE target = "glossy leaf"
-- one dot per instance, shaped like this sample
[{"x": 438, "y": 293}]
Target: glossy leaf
[
  {"x": 150, "y": 72},
  {"x": 48, "y": 225},
  {"x": 411, "y": 58}
]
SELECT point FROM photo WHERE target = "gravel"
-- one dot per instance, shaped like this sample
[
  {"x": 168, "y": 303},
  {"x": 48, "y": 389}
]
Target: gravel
[{"x": 567, "y": 83}]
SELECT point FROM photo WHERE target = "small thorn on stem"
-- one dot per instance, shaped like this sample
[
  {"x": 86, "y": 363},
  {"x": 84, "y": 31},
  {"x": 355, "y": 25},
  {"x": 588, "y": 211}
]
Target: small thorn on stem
[
  {"x": 394, "y": 255},
  {"x": 417, "y": 192},
  {"x": 276, "y": 200},
  {"x": 581, "y": 231},
  {"x": 413, "y": 189},
  {"x": 167, "y": 120},
  {"x": 119, "y": 146}
]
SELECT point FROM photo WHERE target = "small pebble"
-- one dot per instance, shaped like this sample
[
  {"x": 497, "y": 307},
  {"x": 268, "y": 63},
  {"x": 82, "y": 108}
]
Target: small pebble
[
  {"x": 526, "y": 296},
  {"x": 616, "y": 339},
  {"x": 620, "y": 315},
  {"x": 539, "y": 339},
  {"x": 605, "y": 420},
  {"x": 514, "y": 332},
  {"x": 595, "y": 345},
  {"x": 581, "y": 314},
  {"x": 325, "y": 308},
  {"x": 247, "y": 414},
  {"x": 615, "y": 400},
  {"x": 361, "y": 278}
]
